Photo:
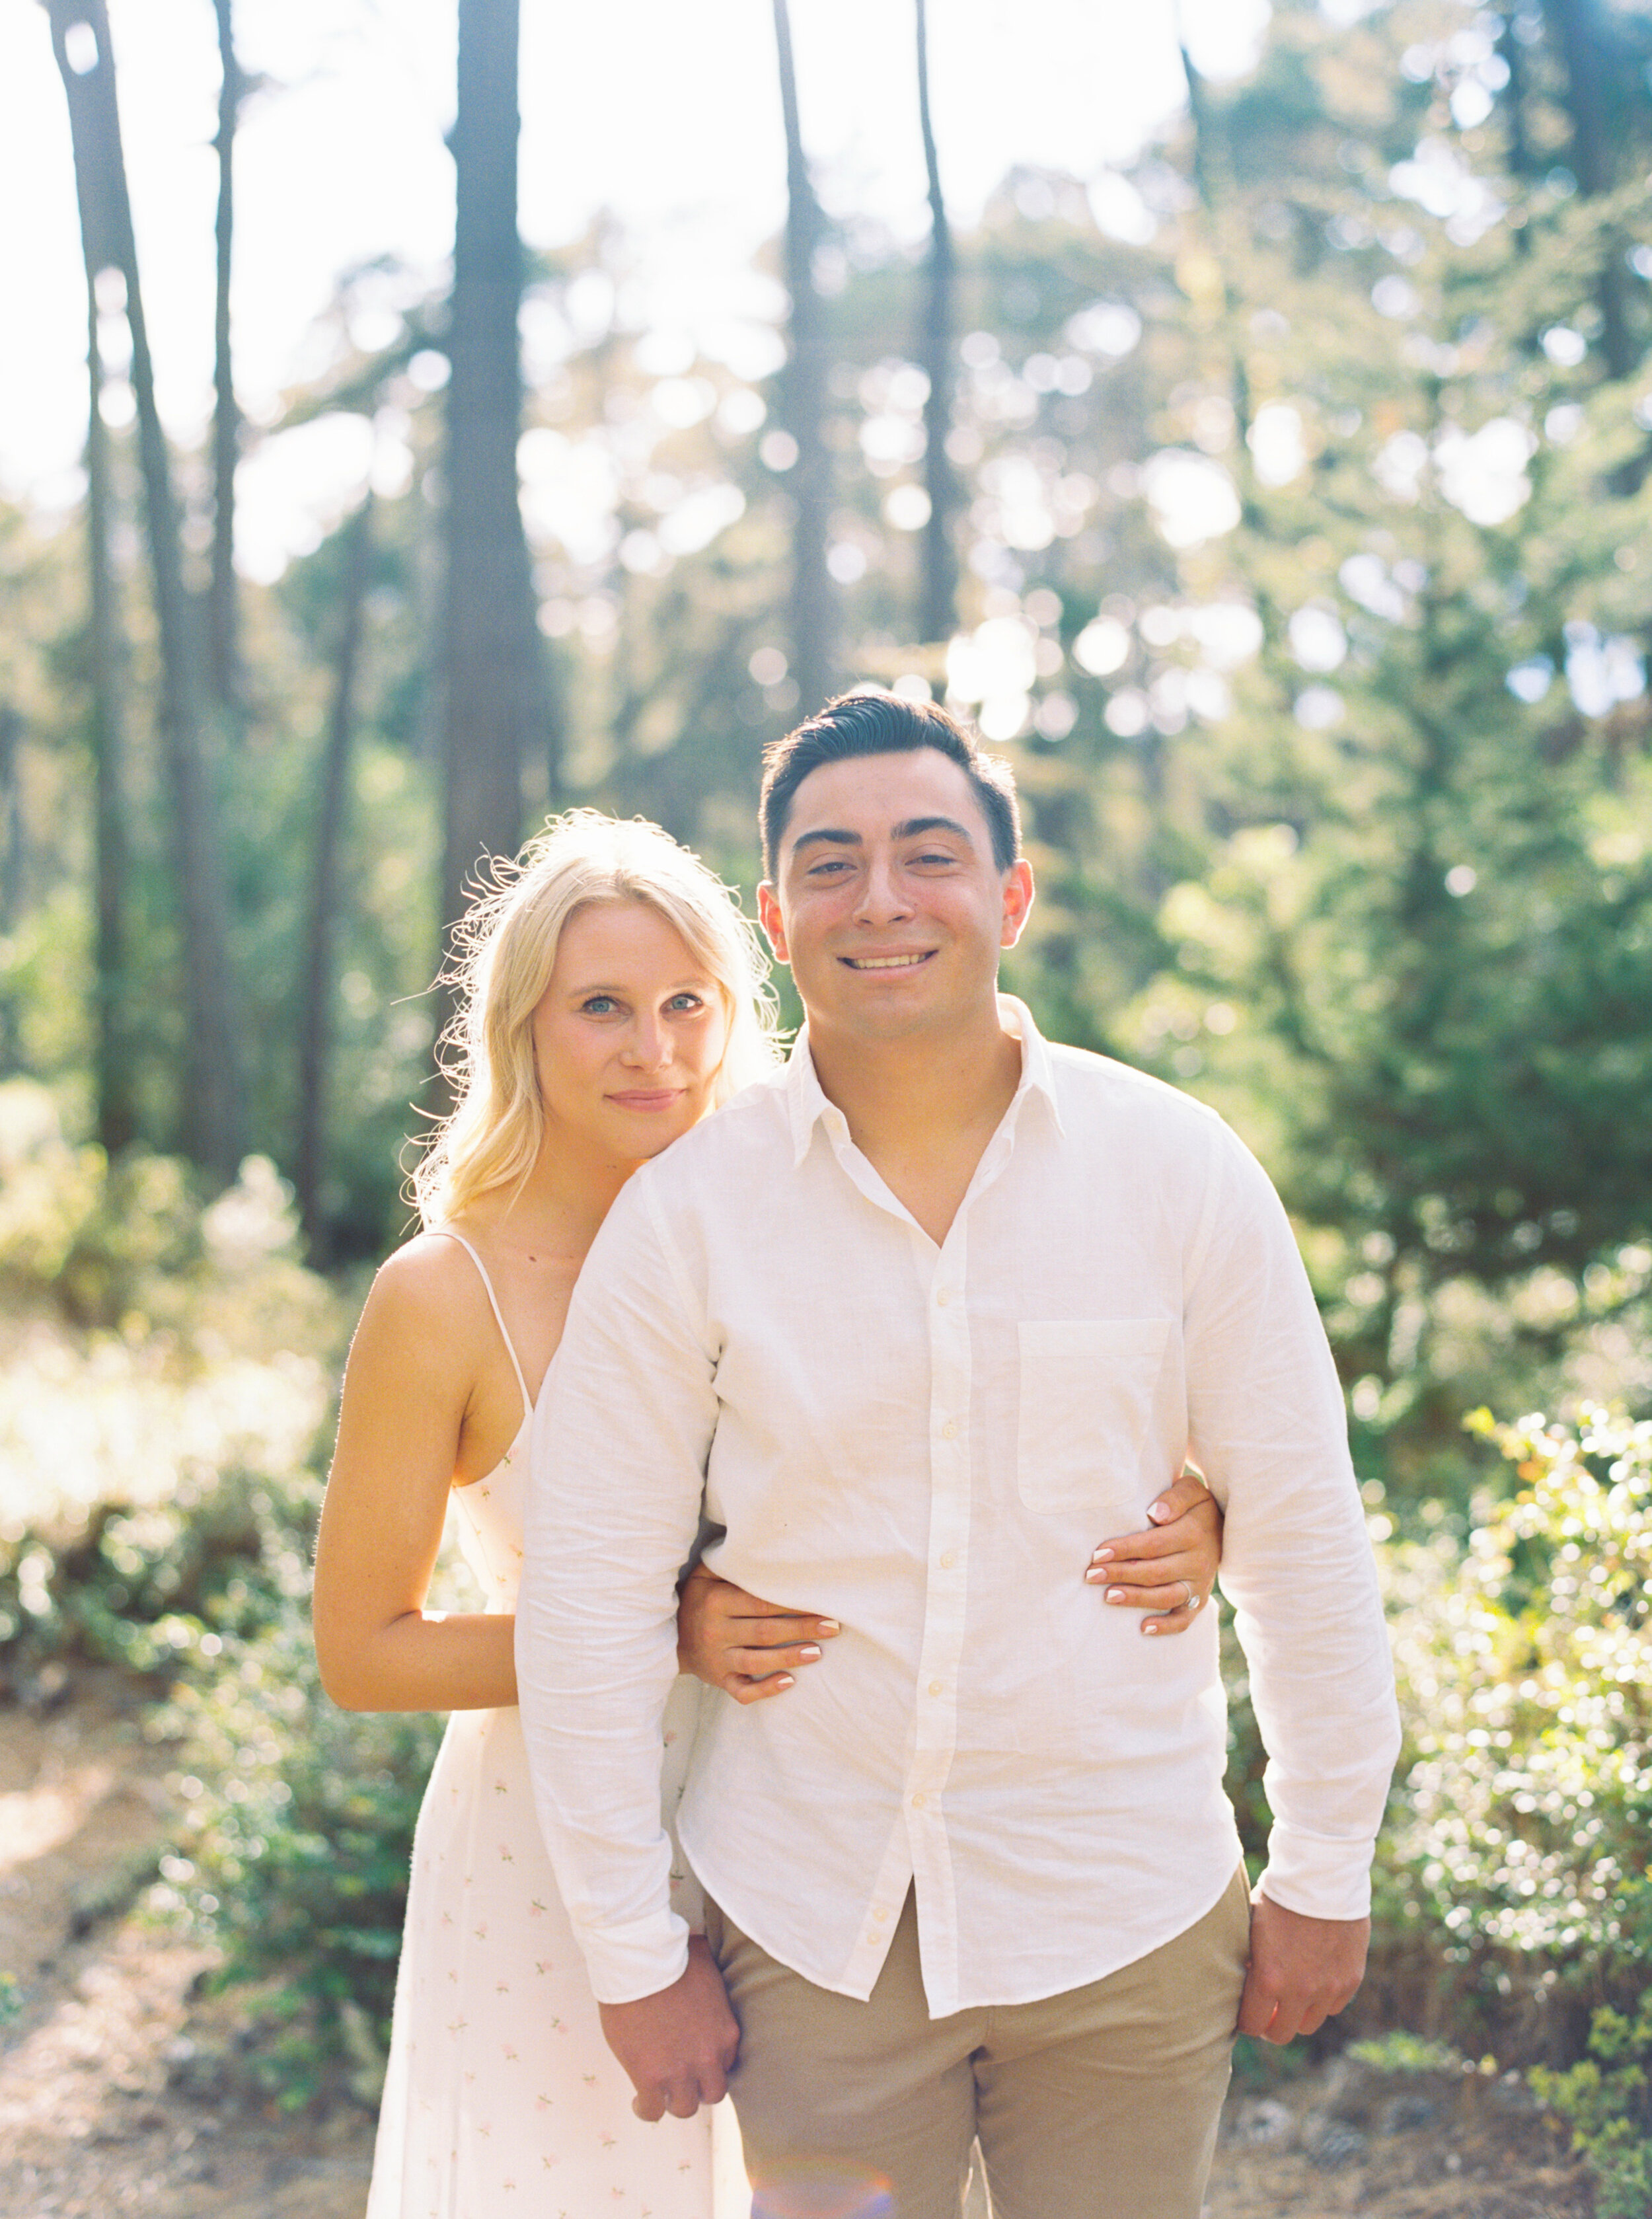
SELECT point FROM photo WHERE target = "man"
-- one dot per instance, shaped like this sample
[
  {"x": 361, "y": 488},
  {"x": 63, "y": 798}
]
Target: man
[{"x": 922, "y": 1317}]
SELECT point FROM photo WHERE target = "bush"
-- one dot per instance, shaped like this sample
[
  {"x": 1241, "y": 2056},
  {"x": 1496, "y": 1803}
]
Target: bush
[
  {"x": 1526, "y": 1673},
  {"x": 1607, "y": 2097},
  {"x": 295, "y": 1851},
  {"x": 165, "y": 1393}
]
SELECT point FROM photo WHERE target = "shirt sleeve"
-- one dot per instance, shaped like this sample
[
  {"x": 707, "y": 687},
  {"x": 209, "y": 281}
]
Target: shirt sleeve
[
  {"x": 620, "y": 1443},
  {"x": 1268, "y": 1431}
]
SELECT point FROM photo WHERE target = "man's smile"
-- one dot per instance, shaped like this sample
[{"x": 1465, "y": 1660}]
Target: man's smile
[{"x": 907, "y": 962}]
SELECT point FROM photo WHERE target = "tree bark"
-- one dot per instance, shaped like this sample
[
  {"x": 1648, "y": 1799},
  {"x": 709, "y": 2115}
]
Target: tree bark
[
  {"x": 1595, "y": 151},
  {"x": 112, "y": 1079},
  {"x": 802, "y": 394},
  {"x": 315, "y": 1012},
  {"x": 496, "y": 695},
  {"x": 11, "y": 868},
  {"x": 210, "y": 1119},
  {"x": 938, "y": 594},
  {"x": 225, "y": 627}
]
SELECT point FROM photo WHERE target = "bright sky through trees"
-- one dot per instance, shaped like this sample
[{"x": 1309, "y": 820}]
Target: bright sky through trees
[{"x": 668, "y": 114}]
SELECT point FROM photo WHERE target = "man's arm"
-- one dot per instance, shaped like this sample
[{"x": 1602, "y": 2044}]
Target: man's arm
[
  {"x": 1270, "y": 1432},
  {"x": 620, "y": 1440}
]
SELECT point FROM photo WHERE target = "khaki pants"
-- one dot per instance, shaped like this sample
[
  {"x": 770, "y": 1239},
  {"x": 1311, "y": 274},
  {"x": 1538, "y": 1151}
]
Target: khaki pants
[{"x": 1101, "y": 2103}]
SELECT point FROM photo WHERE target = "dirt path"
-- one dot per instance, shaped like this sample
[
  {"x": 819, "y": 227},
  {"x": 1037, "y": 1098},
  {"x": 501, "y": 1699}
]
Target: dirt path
[{"x": 110, "y": 2100}]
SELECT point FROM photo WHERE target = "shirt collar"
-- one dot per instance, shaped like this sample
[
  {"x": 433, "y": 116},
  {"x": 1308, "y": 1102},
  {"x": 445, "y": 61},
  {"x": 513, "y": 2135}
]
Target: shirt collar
[{"x": 807, "y": 1105}]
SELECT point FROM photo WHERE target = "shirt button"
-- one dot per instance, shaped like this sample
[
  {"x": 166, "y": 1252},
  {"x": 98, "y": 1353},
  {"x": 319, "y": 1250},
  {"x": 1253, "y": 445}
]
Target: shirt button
[
  {"x": 943, "y": 1298},
  {"x": 880, "y": 1914},
  {"x": 949, "y": 1559},
  {"x": 918, "y": 1802},
  {"x": 937, "y": 1688},
  {"x": 949, "y": 1431}
]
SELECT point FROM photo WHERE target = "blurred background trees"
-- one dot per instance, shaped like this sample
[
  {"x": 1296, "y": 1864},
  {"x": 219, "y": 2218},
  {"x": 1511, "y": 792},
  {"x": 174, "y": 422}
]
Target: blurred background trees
[{"x": 1279, "y": 503}]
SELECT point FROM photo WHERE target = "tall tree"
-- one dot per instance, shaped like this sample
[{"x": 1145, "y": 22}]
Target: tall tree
[
  {"x": 496, "y": 695},
  {"x": 113, "y": 1089},
  {"x": 11, "y": 865},
  {"x": 315, "y": 1026},
  {"x": 225, "y": 628},
  {"x": 803, "y": 390},
  {"x": 210, "y": 1118},
  {"x": 938, "y": 592}
]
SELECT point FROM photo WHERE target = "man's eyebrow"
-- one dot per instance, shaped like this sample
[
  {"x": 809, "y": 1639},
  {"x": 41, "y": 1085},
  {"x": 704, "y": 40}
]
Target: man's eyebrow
[{"x": 911, "y": 828}]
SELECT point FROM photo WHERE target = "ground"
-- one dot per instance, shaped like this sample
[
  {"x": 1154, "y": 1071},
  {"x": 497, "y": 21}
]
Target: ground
[{"x": 119, "y": 2090}]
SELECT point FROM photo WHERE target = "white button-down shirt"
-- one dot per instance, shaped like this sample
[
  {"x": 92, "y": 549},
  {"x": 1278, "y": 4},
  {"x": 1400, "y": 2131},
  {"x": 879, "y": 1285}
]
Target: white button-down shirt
[{"x": 927, "y": 1444}]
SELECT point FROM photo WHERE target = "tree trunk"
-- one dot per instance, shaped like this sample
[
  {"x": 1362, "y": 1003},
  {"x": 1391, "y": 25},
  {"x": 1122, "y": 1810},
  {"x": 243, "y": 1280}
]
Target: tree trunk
[
  {"x": 226, "y": 420},
  {"x": 11, "y": 869},
  {"x": 496, "y": 694},
  {"x": 211, "y": 1110},
  {"x": 113, "y": 1087},
  {"x": 938, "y": 594},
  {"x": 803, "y": 390},
  {"x": 315, "y": 1012},
  {"x": 1595, "y": 152}
]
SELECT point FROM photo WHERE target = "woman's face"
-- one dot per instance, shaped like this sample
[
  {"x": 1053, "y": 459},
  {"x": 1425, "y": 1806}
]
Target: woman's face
[{"x": 629, "y": 1035}]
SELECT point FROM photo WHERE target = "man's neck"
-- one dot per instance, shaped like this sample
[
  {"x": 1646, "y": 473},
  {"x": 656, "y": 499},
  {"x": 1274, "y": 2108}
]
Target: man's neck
[{"x": 921, "y": 1110}]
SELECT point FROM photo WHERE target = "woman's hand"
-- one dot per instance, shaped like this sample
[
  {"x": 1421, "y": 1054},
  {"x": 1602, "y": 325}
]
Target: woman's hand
[
  {"x": 748, "y": 1649},
  {"x": 1174, "y": 1562}
]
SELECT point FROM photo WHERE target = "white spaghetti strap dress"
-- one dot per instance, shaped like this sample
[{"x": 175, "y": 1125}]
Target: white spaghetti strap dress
[{"x": 501, "y": 2095}]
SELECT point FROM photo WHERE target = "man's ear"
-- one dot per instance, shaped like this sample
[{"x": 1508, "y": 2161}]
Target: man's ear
[
  {"x": 768, "y": 910},
  {"x": 1017, "y": 900}
]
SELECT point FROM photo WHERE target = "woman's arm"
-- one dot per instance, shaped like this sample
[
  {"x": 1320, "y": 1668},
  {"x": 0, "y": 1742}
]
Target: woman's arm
[
  {"x": 752, "y": 1649},
  {"x": 417, "y": 1354},
  {"x": 1177, "y": 1557}
]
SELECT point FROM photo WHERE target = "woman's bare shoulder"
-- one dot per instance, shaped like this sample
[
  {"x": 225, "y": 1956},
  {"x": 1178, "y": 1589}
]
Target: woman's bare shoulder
[{"x": 428, "y": 1287}]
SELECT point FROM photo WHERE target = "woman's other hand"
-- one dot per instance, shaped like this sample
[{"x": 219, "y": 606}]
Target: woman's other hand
[
  {"x": 750, "y": 1649},
  {"x": 1172, "y": 1563}
]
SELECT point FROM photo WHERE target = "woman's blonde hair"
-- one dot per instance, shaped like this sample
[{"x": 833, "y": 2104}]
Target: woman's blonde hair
[{"x": 504, "y": 952}]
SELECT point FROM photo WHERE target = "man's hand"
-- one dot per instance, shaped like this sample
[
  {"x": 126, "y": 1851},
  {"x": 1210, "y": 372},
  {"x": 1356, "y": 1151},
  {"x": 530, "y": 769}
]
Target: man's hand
[
  {"x": 1302, "y": 1971},
  {"x": 679, "y": 2046}
]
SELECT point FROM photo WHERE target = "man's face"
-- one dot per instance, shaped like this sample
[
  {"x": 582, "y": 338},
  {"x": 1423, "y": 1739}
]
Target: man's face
[{"x": 886, "y": 902}]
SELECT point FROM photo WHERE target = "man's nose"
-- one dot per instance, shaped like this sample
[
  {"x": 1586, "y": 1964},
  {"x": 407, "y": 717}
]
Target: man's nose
[{"x": 882, "y": 895}]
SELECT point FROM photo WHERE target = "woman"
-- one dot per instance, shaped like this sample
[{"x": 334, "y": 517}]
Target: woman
[{"x": 612, "y": 995}]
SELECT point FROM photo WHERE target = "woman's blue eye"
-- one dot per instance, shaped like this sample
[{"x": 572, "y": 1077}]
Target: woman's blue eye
[
  {"x": 599, "y": 1006},
  {"x": 686, "y": 1002}
]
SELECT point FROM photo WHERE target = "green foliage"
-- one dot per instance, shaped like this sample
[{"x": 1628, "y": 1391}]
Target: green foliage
[
  {"x": 1401, "y": 2051},
  {"x": 1525, "y": 1675},
  {"x": 1607, "y": 2098},
  {"x": 299, "y": 1827},
  {"x": 163, "y": 1408}
]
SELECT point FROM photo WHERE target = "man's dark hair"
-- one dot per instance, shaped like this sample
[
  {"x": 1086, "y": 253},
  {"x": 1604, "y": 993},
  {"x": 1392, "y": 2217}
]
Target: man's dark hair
[{"x": 884, "y": 724}]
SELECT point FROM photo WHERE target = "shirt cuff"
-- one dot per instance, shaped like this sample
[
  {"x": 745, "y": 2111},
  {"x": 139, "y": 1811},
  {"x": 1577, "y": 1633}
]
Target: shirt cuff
[
  {"x": 1316, "y": 1878},
  {"x": 629, "y": 1961}
]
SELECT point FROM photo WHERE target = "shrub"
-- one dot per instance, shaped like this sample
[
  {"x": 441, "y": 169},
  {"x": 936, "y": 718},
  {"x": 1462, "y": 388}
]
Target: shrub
[
  {"x": 296, "y": 1850},
  {"x": 1525, "y": 1675},
  {"x": 1607, "y": 2097}
]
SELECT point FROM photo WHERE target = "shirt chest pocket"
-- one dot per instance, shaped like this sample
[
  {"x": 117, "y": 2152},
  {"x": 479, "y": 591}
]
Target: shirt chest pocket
[{"x": 1087, "y": 1389}]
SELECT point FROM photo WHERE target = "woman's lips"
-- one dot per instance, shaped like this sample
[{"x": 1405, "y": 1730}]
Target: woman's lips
[{"x": 654, "y": 1097}]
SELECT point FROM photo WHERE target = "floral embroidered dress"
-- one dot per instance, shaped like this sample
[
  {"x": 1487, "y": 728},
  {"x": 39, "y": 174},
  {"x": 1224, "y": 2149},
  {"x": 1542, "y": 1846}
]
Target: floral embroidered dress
[{"x": 501, "y": 2094}]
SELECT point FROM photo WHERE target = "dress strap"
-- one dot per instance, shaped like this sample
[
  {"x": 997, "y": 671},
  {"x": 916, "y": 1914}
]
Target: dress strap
[{"x": 444, "y": 1233}]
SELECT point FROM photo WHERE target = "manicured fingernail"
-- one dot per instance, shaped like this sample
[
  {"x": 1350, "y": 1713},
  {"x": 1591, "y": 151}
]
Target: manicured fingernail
[
  {"x": 1152, "y": 1625},
  {"x": 1095, "y": 1574},
  {"x": 808, "y": 1656},
  {"x": 1116, "y": 1594},
  {"x": 827, "y": 1625},
  {"x": 786, "y": 1680},
  {"x": 1160, "y": 1512},
  {"x": 1102, "y": 1556}
]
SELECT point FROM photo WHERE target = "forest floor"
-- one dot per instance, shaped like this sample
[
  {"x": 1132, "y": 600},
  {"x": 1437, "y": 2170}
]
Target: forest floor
[{"x": 120, "y": 2087}]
